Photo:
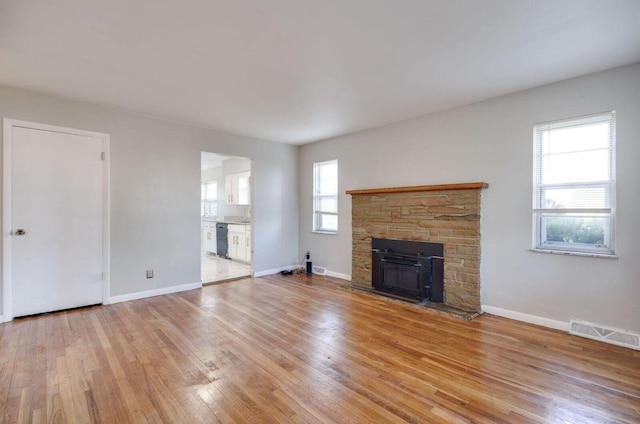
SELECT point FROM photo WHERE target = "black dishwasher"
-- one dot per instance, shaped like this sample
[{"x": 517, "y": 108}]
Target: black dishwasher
[{"x": 222, "y": 245}]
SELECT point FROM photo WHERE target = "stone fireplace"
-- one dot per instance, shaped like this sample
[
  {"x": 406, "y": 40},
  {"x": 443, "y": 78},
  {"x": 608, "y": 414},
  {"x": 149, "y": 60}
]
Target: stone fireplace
[{"x": 447, "y": 214}]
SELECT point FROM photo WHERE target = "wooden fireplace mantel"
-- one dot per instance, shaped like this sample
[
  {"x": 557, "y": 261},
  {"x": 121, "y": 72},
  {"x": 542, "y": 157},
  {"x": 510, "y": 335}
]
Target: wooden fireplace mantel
[{"x": 411, "y": 189}]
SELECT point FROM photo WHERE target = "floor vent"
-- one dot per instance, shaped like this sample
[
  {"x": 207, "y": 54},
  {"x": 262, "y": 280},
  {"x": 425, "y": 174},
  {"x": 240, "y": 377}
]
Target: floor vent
[
  {"x": 319, "y": 270},
  {"x": 605, "y": 334}
]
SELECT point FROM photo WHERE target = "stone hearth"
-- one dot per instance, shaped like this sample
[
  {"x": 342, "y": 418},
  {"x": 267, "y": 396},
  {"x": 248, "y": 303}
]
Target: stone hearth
[{"x": 448, "y": 214}]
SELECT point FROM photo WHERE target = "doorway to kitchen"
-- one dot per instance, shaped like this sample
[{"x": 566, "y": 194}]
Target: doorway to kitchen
[{"x": 226, "y": 225}]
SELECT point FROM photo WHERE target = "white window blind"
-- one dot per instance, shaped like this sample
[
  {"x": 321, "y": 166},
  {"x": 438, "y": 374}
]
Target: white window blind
[
  {"x": 574, "y": 184},
  {"x": 325, "y": 196}
]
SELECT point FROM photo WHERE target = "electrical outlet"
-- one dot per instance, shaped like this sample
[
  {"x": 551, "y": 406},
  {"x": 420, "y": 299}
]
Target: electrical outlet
[{"x": 149, "y": 273}]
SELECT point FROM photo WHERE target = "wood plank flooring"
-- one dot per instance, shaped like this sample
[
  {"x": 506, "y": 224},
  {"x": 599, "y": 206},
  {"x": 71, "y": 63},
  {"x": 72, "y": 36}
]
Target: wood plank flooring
[{"x": 301, "y": 349}]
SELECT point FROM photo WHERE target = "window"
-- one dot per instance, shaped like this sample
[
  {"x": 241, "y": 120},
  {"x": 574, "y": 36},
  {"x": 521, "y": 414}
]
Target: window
[
  {"x": 325, "y": 197},
  {"x": 574, "y": 185},
  {"x": 209, "y": 205}
]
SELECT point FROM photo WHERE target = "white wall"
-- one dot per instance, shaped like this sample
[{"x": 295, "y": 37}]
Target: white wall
[
  {"x": 211, "y": 174},
  {"x": 155, "y": 189},
  {"x": 236, "y": 165},
  {"x": 492, "y": 142}
]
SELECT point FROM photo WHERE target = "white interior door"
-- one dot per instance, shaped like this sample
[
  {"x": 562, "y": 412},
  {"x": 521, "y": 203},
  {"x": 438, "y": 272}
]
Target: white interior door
[{"x": 57, "y": 223}]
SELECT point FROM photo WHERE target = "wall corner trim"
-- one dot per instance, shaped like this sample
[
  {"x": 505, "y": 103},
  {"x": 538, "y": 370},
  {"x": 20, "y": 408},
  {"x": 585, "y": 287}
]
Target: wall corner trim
[
  {"x": 155, "y": 292},
  {"x": 531, "y": 319}
]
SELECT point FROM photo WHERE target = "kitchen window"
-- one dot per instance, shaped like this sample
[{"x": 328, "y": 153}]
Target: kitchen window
[
  {"x": 209, "y": 202},
  {"x": 574, "y": 185},
  {"x": 325, "y": 197}
]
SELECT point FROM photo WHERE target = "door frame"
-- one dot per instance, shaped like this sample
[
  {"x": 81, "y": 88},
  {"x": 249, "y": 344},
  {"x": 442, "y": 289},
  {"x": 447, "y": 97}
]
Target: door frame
[{"x": 7, "y": 140}]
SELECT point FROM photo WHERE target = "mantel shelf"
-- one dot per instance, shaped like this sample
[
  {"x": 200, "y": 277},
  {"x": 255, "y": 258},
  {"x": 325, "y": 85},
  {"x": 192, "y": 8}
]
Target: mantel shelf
[{"x": 413, "y": 189}]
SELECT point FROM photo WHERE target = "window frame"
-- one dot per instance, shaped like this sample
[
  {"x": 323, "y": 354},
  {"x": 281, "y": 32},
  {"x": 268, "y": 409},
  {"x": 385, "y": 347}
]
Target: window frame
[
  {"x": 539, "y": 213},
  {"x": 205, "y": 201},
  {"x": 317, "y": 212}
]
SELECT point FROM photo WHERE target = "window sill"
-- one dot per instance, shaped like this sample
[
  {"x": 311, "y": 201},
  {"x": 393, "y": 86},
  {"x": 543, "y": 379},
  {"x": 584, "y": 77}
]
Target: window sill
[
  {"x": 335, "y": 233},
  {"x": 568, "y": 253}
]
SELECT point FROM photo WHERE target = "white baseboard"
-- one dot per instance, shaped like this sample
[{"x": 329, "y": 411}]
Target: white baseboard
[
  {"x": 338, "y": 275},
  {"x": 155, "y": 292},
  {"x": 271, "y": 271},
  {"x": 277, "y": 270},
  {"x": 1, "y": 318},
  {"x": 531, "y": 319}
]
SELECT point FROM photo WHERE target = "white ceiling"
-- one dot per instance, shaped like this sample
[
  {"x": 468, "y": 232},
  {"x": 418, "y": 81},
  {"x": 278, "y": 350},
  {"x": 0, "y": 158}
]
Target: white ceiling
[{"x": 297, "y": 71}]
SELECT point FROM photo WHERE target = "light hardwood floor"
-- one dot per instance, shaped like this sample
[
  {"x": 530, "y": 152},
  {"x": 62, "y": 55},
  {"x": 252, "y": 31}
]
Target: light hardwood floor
[{"x": 303, "y": 349}]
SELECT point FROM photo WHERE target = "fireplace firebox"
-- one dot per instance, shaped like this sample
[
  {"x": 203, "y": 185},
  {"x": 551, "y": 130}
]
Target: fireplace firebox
[{"x": 409, "y": 269}]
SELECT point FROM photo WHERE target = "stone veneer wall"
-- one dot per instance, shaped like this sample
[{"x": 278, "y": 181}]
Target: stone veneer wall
[{"x": 451, "y": 217}]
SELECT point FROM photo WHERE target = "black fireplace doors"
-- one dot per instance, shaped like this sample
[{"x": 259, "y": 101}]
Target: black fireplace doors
[{"x": 408, "y": 269}]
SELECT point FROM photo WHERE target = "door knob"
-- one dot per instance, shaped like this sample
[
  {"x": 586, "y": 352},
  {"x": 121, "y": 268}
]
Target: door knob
[{"x": 20, "y": 232}]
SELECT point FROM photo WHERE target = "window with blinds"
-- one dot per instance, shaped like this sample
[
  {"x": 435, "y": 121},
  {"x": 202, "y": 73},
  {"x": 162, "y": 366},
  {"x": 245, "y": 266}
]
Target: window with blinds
[
  {"x": 325, "y": 197},
  {"x": 574, "y": 185}
]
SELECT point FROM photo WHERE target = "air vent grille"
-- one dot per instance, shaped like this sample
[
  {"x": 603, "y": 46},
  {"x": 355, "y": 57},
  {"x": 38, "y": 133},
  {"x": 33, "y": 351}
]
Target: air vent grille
[
  {"x": 319, "y": 270},
  {"x": 605, "y": 334}
]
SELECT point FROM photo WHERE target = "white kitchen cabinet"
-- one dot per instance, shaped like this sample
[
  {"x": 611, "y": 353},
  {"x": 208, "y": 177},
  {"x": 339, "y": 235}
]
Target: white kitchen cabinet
[
  {"x": 209, "y": 236},
  {"x": 238, "y": 188},
  {"x": 240, "y": 242}
]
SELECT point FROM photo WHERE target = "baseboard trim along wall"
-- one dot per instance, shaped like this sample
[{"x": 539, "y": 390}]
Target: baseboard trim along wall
[
  {"x": 155, "y": 292},
  {"x": 271, "y": 271},
  {"x": 277, "y": 270},
  {"x": 531, "y": 319},
  {"x": 338, "y": 275}
]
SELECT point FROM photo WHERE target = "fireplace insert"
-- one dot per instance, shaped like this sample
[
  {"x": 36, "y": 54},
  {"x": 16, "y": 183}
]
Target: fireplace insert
[{"x": 409, "y": 269}]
